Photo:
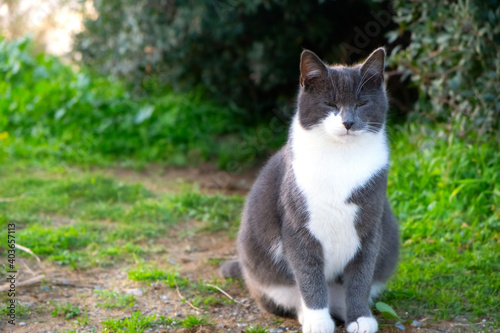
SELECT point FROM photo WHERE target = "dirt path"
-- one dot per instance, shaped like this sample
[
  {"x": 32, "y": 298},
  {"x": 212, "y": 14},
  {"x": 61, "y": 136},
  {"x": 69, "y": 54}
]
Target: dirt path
[{"x": 167, "y": 179}]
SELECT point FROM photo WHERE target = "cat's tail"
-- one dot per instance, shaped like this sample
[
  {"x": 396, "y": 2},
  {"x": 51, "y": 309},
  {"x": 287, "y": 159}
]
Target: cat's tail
[{"x": 231, "y": 269}]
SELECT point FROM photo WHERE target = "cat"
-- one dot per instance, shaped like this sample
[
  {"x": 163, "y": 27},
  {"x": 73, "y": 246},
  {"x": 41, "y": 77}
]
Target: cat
[{"x": 318, "y": 238}]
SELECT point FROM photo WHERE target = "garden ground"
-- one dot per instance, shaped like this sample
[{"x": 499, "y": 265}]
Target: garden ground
[{"x": 165, "y": 282}]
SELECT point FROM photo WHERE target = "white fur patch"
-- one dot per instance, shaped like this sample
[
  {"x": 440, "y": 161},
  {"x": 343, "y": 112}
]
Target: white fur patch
[
  {"x": 363, "y": 325},
  {"x": 276, "y": 251},
  {"x": 316, "y": 321},
  {"x": 286, "y": 296},
  {"x": 333, "y": 124},
  {"x": 327, "y": 169}
]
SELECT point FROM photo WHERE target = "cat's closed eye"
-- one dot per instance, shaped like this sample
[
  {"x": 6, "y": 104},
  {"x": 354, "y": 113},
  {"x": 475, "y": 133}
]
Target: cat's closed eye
[
  {"x": 360, "y": 104},
  {"x": 333, "y": 105}
]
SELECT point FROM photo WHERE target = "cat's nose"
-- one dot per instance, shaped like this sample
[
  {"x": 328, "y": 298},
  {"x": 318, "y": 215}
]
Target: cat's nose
[{"x": 348, "y": 124}]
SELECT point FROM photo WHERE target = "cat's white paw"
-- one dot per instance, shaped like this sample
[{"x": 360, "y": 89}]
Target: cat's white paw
[
  {"x": 325, "y": 325},
  {"x": 317, "y": 321},
  {"x": 363, "y": 325}
]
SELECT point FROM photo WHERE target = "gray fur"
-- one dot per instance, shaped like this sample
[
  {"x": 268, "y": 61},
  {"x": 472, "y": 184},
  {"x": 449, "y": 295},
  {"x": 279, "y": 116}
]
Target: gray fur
[{"x": 276, "y": 212}]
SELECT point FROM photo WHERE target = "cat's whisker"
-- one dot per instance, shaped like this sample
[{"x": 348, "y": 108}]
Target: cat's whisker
[
  {"x": 363, "y": 77},
  {"x": 363, "y": 81},
  {"x": 366, "y": 81}
]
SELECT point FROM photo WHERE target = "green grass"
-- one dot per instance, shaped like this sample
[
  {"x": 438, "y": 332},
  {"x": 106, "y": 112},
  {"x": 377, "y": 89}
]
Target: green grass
[
  {"x": 138, "y": 323},
  {"x": 256, "y": 329},
  {"x": 66, "y": 310},
  {"x": 114, "y": 300},
  {"x": 446, "y": 195},
  {"x": 192, "y": 321},
  {"x": 149, "y": 273},
  {"x": 135, "y": 323},
  {"x": 82, "y": 219},
  {"x": 53, "y": 113},
  {"x": 23, "y": 310}
]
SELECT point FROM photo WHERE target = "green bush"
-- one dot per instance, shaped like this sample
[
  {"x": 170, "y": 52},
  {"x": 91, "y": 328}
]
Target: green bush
[
  {"x": 49, "y": 109},
  {"x": 454, "y": 61},
  {"x": 243, "y": 52}
]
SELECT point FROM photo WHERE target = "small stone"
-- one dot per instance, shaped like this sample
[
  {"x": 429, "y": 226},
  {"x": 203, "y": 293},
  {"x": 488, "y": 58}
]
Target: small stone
[
  {"x": 45, "y": 287},
  {"x": 241, "y": 325},
  {"x": 22, "y": 323},
  {"x": 277, "y": 330},
  {"x": 136, "y": 292},
  {"x": 400, "y": 326},
  {"x": 416, "y": 323},
  {"x": 179, "y": 315},
  {"x": 97, "y": 287}
]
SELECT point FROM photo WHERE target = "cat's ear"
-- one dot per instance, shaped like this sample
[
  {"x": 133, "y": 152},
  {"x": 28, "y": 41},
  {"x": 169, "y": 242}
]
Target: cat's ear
[
  {"x": 373, "y": 67},
  {"x": 311, "y": 68}
]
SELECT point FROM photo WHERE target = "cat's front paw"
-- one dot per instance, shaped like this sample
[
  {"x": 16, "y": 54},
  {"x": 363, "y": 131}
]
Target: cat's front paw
[
  {"x": 318, "y": 322},
  {"x": 320, "y": 326},
  {"x": 363, "y": 325}
]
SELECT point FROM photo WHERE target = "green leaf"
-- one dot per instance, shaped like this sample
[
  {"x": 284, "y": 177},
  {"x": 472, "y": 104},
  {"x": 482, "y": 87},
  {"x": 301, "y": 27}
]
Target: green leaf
[{"x": 387, "y": 311}]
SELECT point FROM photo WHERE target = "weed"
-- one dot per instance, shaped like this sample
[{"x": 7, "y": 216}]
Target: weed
[
  {"x": 195, "y": 321},
  {"x": 216, "y": 262},
  {"x": 208, "y": 301},
  {"x": 165, "y": 321},
  {"x": 148, "y": 273},
  {"x": 113, "y": 299},
  {"x": 23, "y": 310},
  {"x": 83, "y": 320},
  {"x": 67, "y": 310},
  {"x": 135, "y": 323},
  {"x": 256, "y": 329}
]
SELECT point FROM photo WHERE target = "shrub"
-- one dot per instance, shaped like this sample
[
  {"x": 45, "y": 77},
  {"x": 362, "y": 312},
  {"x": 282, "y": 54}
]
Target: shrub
[
  {"x": 454, "y": 61},
  {"x": 243, "y": 52}
]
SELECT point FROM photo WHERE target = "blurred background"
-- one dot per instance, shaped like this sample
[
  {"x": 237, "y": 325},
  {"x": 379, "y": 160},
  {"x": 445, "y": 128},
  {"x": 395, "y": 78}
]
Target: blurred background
[
  {"x": 186, "y": 81},
  {"x": 122, "y": 120}
]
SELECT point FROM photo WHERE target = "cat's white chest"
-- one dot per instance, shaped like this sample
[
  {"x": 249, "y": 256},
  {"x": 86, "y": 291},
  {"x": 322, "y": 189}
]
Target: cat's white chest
[{"x": 327, "y": 174}]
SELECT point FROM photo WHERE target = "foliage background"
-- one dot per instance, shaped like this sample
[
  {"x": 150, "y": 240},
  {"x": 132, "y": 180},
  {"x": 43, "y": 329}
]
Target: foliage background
[
  {"x": 454, "y": 61},
  {"x": 181, "y": 83},
  {"x": 244, "y": 53}
]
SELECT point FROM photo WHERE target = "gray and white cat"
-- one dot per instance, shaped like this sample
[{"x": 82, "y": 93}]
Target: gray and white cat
[{"x": 318, "y": 238}]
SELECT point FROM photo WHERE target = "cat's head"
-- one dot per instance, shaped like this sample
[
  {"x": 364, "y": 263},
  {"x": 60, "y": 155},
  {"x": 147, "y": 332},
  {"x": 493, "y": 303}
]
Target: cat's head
[{"x": 343, "y": 102}]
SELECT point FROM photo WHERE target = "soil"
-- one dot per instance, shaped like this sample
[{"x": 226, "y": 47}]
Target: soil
[
  {"x": 168, "y": 179},
  {"x": 190, "y": 255}
]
